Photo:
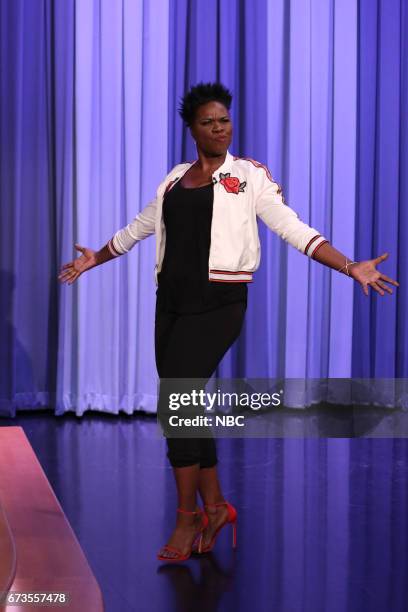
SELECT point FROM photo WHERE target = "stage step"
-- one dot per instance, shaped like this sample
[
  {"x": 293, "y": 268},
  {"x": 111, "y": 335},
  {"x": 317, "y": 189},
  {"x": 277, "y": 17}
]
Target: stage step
[{"x": 39, "y": 550}]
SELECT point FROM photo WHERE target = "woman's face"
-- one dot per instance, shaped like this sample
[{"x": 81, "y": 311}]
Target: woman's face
[{"x": 212, "y": 128}]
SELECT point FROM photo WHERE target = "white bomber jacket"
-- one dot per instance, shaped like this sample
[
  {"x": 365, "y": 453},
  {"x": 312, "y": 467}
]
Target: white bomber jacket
[{"x": 243, "y": 191}]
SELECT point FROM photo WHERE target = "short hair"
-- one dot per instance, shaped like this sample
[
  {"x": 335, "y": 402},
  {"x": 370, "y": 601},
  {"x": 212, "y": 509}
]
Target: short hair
[{"x": 201, "y": 94}]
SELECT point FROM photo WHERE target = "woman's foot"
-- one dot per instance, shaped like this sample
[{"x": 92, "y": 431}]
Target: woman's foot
[
  {"x": 188, "y": 527},
  {"x": 217, "y": 516}
]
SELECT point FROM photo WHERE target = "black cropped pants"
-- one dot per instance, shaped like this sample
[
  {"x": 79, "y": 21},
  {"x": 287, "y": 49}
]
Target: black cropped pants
[{"x": 191, "y": 346}]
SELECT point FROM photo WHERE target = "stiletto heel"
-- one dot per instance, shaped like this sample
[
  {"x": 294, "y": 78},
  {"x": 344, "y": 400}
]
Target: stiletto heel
[
  {"x": 180, "y": 556},
  {"x": 231, "y": 518},
  {"x": 234, "y": 535},
  {"x": 200, "y": 542}
]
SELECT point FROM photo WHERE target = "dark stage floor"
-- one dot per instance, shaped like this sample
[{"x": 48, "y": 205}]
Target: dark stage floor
[{"x": 322, "y": 522}]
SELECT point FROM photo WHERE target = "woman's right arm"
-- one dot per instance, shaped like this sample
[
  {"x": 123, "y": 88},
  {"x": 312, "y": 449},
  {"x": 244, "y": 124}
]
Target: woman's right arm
[{"x": 142, "y": 226}]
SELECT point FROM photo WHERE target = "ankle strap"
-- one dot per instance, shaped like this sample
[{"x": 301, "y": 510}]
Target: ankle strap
[
  {"x": 224, "y": 503},
  {"x": 189, "y": 511}
]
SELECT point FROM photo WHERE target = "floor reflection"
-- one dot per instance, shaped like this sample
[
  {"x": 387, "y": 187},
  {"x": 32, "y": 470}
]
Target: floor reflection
[
  {"x": 322, "y": 521},
  {"x": 202, "y": 593}
]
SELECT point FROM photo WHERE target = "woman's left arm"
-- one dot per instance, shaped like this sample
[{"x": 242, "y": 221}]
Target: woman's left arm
[
  {"x": 271, "y": 207},
  {"x": 364, "y": 272}
]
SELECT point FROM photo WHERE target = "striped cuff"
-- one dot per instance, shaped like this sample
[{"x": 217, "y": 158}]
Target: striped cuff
[
  {"x": 318, "y": 247},
  {"x": 112, "y": 249},
  {"x": 227, "y": 276},
  {"x": 313, "y": 244}
]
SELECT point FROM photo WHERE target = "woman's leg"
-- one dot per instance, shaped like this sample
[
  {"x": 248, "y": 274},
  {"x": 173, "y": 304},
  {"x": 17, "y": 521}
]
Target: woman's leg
[
  {"x": 209, "y": 485},
  {"x": 186, "y": 476},
  {"x": 191, "y": 346}
]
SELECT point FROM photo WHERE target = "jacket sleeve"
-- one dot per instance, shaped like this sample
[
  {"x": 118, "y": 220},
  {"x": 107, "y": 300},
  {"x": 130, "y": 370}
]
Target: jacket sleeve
[
  {"x": 283, "y": 220},
  {"x": 142, "y": 226}
]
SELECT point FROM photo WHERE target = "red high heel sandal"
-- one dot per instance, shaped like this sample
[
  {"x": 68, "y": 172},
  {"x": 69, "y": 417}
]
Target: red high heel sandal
[
  {"x": 231, "y": 518},
  {"x": 180, "y": 556}
]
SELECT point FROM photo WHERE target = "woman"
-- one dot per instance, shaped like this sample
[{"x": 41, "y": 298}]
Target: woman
[{"x": 205, "y": 219}]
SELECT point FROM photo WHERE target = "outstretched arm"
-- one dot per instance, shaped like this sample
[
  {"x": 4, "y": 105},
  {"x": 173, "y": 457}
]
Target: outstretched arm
[
  {"x": 141, "y": 227},
  {"x": 284, "y": 221}
]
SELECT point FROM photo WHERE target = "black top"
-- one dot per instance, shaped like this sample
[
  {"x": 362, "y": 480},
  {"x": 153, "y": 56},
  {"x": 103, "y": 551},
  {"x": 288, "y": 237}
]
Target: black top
[{"x": 183, "y": 284}]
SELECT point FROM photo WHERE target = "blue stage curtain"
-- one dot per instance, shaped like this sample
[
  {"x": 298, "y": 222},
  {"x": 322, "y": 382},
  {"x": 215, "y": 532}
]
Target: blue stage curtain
[
  {"x": 380, "y": 339},
  {"x": 89, "y": 127}
]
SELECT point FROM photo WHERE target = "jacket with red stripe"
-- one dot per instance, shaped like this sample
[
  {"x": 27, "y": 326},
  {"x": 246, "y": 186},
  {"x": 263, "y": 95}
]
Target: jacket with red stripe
[{"x": 243, "y": 191}]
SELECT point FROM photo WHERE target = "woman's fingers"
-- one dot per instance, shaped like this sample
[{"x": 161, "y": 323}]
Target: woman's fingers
[
  {"x": 384, "y": 286},
  {"x": 389, "y": 280},
  {"x": 69, "y": 275},
  {"x": 73, "y": 279},
  {"x": 65, "y": 272},
  {"x": 65, "y": 277},
  {"x": 381, "y": 258},
  {"x": 378, "y": 286},
  {"x": 375, "y": 286},
  {"x": 67, "y": 266}
]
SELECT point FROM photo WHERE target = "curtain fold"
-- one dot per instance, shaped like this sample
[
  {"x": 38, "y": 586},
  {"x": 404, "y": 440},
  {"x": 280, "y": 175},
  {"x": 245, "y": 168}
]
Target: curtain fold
[
  {"x": 89, "y": 127},
  {"x": 381, "y": 192}
]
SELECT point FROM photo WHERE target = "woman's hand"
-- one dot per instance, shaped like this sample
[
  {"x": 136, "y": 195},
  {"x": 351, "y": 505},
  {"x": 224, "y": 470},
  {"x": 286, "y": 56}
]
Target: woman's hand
[
  {"x": 366, "y": 274},
  {"x": 73, "y": 270}
]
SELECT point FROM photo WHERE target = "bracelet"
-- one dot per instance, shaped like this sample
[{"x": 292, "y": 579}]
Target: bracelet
[{"x": 347, "y": 264}]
